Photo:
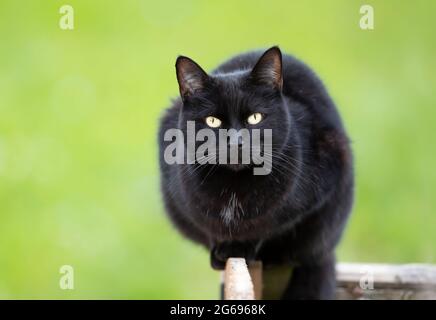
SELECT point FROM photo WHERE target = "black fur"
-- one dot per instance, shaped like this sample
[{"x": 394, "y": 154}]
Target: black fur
[{"x": 294, "y": 215}]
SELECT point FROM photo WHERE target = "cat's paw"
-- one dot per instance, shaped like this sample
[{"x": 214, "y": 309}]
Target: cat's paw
[{"x": 221, "y": 252}]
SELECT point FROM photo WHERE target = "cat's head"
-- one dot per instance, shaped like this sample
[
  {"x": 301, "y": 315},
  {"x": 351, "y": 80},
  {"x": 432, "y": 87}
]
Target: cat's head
[{"x": 244, "y": 99}]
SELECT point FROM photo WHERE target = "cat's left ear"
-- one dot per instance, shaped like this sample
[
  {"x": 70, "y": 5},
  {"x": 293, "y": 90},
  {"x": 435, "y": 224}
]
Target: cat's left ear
[
  {"x": 268, "y": 69},
  {"x": 190, "y": 75}
]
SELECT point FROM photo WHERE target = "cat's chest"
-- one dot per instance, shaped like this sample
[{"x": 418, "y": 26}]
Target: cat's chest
[
  {"x": 232, "y": 202},
  {"x": 232, "y": 208}
]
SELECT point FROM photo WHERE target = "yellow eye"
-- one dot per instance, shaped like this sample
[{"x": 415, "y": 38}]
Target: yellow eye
[
  {"x": 255, "y": 118},
  {"x": 213, "y": 122}
]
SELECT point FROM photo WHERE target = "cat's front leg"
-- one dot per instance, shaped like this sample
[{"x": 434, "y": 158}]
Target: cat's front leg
[
  {"x": 312, "y": 281},
  {"x": 231, "y": 249}
]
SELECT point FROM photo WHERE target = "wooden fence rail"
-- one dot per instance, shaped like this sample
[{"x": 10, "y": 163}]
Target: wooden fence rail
[{"x": 354, "y": 281}]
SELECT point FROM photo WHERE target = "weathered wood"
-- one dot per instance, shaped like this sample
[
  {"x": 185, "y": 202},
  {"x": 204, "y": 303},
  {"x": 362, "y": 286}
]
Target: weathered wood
[
  {"x": 385, "y": 282},
  {"x": 237, "y": 280},
  {"x": 255, "y": 270},
  {"x": 354, "y": 281}
]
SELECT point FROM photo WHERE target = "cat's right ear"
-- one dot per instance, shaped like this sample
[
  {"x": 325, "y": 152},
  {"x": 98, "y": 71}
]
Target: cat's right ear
[
  {"x": 268, "y": 70},
  {"x": 190, "y": 75}
]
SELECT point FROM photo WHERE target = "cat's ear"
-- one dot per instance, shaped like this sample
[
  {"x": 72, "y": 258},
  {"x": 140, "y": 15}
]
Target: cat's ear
[
  {"x": 190, "y": 75},
  {"x": 268, "y": 69}
]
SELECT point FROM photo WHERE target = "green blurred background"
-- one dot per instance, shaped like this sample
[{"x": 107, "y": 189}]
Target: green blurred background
[{"x": 79, "y": 111}]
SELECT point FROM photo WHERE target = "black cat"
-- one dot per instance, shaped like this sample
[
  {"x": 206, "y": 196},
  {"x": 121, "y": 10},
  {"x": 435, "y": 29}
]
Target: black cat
[{"x": 295, "y": 214}]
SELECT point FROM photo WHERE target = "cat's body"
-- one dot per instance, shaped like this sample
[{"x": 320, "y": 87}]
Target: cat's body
[{"x": 296, "y": 214}]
